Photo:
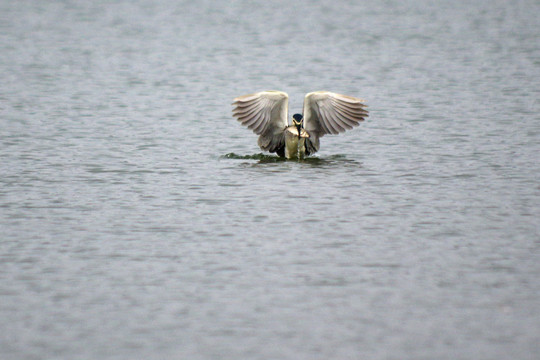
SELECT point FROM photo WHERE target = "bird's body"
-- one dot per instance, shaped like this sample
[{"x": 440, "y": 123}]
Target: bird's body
[
  {"x": 295, "y": 146},
  {"x": 324, "y": 112}
]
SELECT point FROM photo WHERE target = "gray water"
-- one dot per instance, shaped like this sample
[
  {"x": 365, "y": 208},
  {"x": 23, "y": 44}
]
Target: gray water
[{"x": 139, "y": 220}]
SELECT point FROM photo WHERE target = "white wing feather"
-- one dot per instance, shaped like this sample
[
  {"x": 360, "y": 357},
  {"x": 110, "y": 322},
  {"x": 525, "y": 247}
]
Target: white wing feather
[
  {"x": 265, "y": 113},
  {"x": 330, "y": 113},
  {"x": 262, "y": 110}
]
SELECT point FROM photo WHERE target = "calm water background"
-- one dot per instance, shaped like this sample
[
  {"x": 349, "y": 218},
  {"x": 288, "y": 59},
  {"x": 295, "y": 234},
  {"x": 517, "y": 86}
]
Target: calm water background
[{"x": 127, "y": 231}]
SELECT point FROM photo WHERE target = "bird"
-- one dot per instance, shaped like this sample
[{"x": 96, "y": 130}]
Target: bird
[{"x": 324, "y": 112}]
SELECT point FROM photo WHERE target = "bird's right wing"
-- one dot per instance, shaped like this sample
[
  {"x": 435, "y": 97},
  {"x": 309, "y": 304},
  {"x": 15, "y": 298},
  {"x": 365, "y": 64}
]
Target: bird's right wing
[{"x": 265, "y": 113}]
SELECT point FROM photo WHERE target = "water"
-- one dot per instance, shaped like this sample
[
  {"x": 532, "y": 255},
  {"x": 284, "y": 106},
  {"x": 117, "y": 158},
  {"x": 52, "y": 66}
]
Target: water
[{"x": 140, "y": 220}]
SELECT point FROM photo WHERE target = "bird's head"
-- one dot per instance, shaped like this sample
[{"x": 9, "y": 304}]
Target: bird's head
[{"x": 297, "y": 120}]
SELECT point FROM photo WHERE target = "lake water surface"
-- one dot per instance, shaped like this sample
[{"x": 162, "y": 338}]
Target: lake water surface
[{"x": 138, "y": 219}]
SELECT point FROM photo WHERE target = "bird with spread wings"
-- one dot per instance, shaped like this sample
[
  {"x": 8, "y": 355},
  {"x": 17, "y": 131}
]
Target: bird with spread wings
[{"x": 324, "y": 112}]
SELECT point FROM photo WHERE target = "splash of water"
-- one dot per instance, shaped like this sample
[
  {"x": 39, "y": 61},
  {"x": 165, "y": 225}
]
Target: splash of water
[{"x": 312, "y": 160}]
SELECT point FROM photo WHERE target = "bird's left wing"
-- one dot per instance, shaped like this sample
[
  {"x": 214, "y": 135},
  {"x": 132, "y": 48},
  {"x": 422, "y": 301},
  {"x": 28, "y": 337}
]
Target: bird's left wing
[
  {"x": 265, "y": 113},
  {"x": 326, "y": 112}
]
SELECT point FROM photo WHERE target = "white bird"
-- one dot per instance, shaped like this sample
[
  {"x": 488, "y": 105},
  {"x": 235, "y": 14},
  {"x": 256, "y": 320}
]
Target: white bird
[{"x": 324, "y": 112}]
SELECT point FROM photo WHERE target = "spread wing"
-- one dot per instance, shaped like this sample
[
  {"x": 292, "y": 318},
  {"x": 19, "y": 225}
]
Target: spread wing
[
  {"x": 265, "y": 113},
  {"x": 330, "y": 113}
]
